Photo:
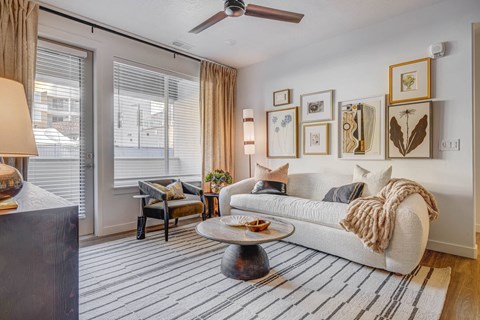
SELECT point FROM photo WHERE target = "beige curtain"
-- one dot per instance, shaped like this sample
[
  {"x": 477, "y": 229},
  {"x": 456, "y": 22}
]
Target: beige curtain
[
  {"x": 217, "y": 98},
  {"x": 18, "y": 51}
]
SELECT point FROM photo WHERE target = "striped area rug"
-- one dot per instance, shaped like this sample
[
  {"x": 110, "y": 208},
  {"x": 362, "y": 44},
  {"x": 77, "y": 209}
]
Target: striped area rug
[{"x": 181, "y": 279}]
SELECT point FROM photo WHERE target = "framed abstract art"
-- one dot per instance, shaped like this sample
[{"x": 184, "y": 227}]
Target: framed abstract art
[
  {"x": 361, "y": 125},
  {"x": 282, "y": 128}
]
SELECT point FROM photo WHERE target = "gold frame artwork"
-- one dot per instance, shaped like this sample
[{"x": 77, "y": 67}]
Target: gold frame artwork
[
  {"x": 327, "y": 138},
  {"x": 289, "y": 98},
  {"x": 392, "y": 97},
  {"x": 295, "y": 141}
]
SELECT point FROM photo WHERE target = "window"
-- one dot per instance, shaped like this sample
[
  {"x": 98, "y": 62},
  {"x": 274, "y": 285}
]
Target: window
[{"x": 156, "y": 125}]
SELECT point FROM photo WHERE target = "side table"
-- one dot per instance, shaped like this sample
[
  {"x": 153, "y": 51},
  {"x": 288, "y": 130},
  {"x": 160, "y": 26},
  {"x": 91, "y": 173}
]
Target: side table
[{"x": 210, "y": 197}]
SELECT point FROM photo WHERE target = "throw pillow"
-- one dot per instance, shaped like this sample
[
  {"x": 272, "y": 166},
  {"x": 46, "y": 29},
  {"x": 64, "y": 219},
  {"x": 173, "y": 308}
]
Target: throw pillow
[
  {"x": 174, "y": 191},
  {"x": 270, "y": 187},
  {"x": 271, "y": 181},
  {"x": 279, "y": 174},
  {"x": 345, "y": 194},
  {"x": 374, "y": 181}
]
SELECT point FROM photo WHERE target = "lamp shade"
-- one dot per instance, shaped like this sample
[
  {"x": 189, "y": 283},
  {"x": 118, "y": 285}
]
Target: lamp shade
[
  {"x": 16, "y": 134},
  {"x": 248, "y": 132}
]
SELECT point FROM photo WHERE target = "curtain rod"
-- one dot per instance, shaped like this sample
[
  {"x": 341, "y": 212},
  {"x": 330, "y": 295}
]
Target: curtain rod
[{"x": 96, "y": 26}]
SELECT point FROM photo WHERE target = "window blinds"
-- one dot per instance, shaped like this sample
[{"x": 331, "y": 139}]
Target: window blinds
[
  {"x": 58, "y": 126},
  {"x": 156, "y": 125}
]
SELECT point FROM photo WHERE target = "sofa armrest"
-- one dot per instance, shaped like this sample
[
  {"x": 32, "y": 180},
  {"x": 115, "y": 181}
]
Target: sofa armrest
[
  {"x": 244, "y": 186},
  {"x": 410, "y": 236}
]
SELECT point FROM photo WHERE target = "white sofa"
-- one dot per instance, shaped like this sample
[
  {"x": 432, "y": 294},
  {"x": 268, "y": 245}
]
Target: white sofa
[{"x": 317, "y": 222}]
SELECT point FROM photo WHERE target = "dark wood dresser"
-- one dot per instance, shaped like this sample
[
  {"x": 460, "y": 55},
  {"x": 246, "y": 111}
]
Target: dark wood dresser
[{"x": 39, "y": 257}]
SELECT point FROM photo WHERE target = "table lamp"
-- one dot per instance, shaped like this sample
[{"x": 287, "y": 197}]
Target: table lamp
[
  {"x": 248, "y": 136},
  {"x": 16, "y": 135}
]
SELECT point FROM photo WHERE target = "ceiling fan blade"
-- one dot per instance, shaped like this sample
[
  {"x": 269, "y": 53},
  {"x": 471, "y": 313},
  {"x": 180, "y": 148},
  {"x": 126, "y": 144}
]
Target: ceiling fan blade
[
  {"x": 274, "y": 14},
  {"x": 209, "y": 22}
]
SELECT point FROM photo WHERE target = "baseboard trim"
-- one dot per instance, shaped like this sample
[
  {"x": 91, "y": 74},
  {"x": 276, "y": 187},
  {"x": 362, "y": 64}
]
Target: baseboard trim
[
  {"x": 455, "y": 249},
  {"x": 129, "y": 226}
]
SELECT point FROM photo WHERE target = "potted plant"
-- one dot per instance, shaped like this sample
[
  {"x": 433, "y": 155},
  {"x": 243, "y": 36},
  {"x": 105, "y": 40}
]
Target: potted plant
[{"x": 218, "y": 179}]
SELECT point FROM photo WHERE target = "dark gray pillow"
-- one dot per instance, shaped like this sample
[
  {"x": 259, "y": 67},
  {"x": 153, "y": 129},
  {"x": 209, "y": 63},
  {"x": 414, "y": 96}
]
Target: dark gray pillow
[
  {"x": 270, "y": 187},
  {"x": 345, "y": 194}
]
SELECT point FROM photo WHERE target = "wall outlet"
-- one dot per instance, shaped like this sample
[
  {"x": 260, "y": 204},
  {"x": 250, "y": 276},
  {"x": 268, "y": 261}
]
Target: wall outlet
[{"x": 450, "y": 145}]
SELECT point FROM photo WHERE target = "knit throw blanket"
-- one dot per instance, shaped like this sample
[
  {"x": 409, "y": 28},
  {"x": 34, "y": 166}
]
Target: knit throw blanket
[{"x": 372, "y": 218}]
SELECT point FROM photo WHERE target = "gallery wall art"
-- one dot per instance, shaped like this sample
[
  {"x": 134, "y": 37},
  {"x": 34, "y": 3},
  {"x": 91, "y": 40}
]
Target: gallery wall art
[
  {"x": 410, "y": 81},
  {"x": 361, "y": 125},
  {"x": 410, "y": 131},
  {"x": 316, "y": 139},
  {"x": 282, "y": 97},
  {"x": 317, "y": 106},
  {"x": 282, "y": 133}
]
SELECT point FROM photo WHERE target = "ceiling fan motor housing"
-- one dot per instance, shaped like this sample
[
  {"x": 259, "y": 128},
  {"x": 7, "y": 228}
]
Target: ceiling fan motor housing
[{"x": 234, "y": 8}]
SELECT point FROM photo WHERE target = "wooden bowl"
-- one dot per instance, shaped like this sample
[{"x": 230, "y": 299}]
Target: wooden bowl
[{"x": 257, "y": 225}]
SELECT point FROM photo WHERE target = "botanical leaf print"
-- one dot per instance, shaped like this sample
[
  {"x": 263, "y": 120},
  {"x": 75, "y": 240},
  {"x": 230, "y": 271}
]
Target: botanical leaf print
[
  {"x": 418, "y": 134},
  {"x": 414, "y": 139},
  {"x": 396, "y": 135}
]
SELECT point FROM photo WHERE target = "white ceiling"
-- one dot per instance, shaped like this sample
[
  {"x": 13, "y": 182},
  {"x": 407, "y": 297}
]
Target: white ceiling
[{"x": 166, "y": 21}]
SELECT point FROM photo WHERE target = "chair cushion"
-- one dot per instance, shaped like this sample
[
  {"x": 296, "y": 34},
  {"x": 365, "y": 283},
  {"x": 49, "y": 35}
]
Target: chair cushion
[
  {"x": 319, "y": 212},
  {"x": 179, "y": 208}
]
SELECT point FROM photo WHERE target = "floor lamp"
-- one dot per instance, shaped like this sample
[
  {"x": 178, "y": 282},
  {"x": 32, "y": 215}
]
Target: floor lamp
[{"x": 248, "y": 136}]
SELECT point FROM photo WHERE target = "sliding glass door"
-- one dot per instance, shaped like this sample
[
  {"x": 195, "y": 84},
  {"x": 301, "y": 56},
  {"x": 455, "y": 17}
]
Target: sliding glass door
[{"x": 62, "y": 118}]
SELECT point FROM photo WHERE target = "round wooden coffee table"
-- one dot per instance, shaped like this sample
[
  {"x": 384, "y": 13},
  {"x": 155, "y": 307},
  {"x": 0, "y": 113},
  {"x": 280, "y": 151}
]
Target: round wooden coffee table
[{"x": 244, "y": 259}]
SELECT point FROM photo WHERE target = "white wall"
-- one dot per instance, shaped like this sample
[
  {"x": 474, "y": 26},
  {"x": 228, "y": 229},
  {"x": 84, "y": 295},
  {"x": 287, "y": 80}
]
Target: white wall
[
  {"x": 115, "y": 210},
  {"x": 356, "y": 66}
]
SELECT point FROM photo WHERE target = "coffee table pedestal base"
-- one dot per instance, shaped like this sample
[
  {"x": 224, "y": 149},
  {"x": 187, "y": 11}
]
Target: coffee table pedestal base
[{"x": 245, "y": 262}]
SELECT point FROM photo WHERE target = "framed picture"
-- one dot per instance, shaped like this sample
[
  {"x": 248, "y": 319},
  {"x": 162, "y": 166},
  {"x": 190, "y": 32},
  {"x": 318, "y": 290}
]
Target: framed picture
[
  {"x": 282, "y": 128},
  {"x": 317, "y": 106},
  {"x": 361, "y": 125},
  {"x": 316, "y": 139},
  {"x": 409, "y": 131},
  {"x": 410, "y": 81},
  {"x": 281, "y": 97}
]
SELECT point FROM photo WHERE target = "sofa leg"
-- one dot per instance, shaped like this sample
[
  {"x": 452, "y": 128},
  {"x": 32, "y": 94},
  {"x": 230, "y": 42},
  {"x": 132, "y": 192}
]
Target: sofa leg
[
  {"x": 176, "y": 221},
  {"x": 141, "y": 223}
]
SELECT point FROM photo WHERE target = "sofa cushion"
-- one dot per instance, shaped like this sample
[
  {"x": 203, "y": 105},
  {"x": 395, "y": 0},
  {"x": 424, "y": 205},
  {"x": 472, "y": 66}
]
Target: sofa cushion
[
  {"x": 318, "y": 212},
  {"x": 314, "y": 185}
]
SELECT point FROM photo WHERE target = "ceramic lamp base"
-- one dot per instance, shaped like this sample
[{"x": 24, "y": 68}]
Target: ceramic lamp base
[{"x": 11, "y": 181}]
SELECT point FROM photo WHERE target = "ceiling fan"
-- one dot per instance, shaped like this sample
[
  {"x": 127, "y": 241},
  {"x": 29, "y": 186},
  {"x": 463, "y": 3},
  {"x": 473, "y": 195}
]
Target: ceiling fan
[{"x": 237, "y": 8}]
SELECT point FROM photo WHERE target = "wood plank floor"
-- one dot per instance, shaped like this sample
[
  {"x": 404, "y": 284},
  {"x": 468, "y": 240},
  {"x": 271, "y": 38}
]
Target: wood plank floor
[{"x": 463, "y": 296}]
